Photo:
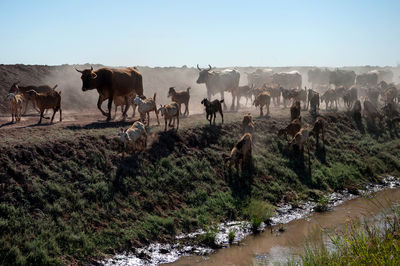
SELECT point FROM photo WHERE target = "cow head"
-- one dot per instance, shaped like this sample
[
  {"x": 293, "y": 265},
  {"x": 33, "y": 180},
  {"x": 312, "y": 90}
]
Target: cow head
[
  {"x": 204, "y": 74},
  {"x": 88, "y": 79}
]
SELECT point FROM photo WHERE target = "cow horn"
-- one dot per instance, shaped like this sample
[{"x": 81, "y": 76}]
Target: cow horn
[
  {"x": 80, "y": 71},
  {"x": 91, "y": 68},
  {"x": 198, "y": 67},
  {"x": 210, "y": 67}
]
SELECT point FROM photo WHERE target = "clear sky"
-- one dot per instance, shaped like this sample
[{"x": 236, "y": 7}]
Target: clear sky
[{"x": 186, "y": 32}]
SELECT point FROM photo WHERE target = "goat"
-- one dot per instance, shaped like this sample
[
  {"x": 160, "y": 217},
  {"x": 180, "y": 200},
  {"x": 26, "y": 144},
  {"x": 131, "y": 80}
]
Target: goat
[
  {"x": 370, "y": 111},
  {"x": 301, "y": 138},
  {"x": 329, "y": 97},
  {"x": 319, "y": 127},
  {"x": 248, "y": 124},
  {"x": 171, "y": 112},
  {"x": 246, "y": 92},
  {"x": 262, "y": 99},
  {"x": 299, "y": 95},
  {"x": 137, "y": 132},
  {"x": 145, "y": 107},
  {"x": 50, "y": 100},
  {"x": 180, "y": 97},
  {"x": 290, "y": 129},
  {"x": 286, "y": 94},
  {"x": 312, "y": 99},
  {"x": 241, "y": 153},
  {"x": 357, "y": 111},
  {"x": 24, "y": 91},
  {"x": 212, "y": 108},
  {"x": 275, "y": 93},
  {"x": 349, "y": 97},
  {"x": 16, "y": 101},
  {"x": 295, "y": 110}
]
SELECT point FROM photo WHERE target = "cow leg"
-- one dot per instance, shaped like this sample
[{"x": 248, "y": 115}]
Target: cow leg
[
  {"x": 165, "y": 120},
  {"x": 234, "y": 96},
  {"x": 261, "y": 111},
  {"x": 41, "y": 115},
  {"x": 54, "y": 113},
  {"x": 222, "y": 98},
  {"x": 12, "y": 116},
  {"x": 109, "y": 105},
  {"x": 115, "y": 111},
  {"x": 128, "y": 104},
  {"x": 177, "y": 126},
  {"x": 60, "y": 110},
  {"x": 99, "y": 102}
]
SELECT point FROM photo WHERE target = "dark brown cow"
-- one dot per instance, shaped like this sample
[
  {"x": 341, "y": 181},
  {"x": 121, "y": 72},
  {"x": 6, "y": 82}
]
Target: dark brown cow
[{"x": 111, "y": 82}]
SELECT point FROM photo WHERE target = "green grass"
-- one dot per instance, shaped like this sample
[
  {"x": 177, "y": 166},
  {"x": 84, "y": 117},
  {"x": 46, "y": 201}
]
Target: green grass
[
  {"x": 359, "y": 244},
  {"x": 74, "y": 200}
]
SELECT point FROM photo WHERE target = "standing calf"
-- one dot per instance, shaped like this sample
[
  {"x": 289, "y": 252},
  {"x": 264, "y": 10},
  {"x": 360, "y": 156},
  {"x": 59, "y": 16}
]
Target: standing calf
[
  {"x": 319, "y": 127},
  {"x": 301, "y": 138},
  {"x": 212, "y": 108},
  {"x": 290, "y": 129},
  {"x": 43, "y": 101}
]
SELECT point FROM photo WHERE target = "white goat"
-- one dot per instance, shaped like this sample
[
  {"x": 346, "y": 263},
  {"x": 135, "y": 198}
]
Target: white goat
[
  {"x": 146, "y": 106},
  {"x": 136, "y": 133},
  {"x": 16, "y": 101}
]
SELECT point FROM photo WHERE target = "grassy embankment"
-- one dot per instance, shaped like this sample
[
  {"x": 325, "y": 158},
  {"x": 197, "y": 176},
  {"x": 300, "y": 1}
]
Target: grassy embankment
[{"x": 74, "y": 199}]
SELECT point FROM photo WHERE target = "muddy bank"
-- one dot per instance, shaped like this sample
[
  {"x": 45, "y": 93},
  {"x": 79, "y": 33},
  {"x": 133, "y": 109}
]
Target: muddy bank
[{"x": 158, "y": 253}]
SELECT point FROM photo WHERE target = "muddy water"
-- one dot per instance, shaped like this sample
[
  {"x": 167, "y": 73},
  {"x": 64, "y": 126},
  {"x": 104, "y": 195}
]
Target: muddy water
[{"x": 270, "y": 248}]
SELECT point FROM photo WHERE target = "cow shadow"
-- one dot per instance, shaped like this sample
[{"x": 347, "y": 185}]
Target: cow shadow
[
  {"x": 241, "y": 182},
  {"x": 101, "y": 125},
  {"x": 6, "y": 124},
  {"x": 297, "y": 162}
]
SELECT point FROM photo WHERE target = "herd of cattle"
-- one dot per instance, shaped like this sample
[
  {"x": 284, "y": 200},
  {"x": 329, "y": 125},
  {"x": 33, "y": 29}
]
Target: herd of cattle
[{"x": 124, "y": 87}]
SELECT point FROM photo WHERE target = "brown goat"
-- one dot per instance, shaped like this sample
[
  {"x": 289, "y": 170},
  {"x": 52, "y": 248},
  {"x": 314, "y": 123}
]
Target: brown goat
[
  {"x": 248, "y": 124},
  {"x": 241, "y": 153},
  {"x": 24, "y": 91},
  {"x": 290, "y": 129},
  {"x": 180, "y": 97},
  {"x": 43, "y": 101},
  {"x": 319, "y": 127},
  {"x": 171, "y": 112},
  {"x": 295, "y": 110},
  {"x": 264, "y": 98},
  {"x": 301, "y": 138}
]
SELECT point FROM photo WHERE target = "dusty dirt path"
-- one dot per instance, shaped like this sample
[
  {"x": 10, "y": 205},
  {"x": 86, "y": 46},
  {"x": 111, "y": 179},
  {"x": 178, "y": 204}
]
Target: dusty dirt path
[{"x": 92, "y": 123}]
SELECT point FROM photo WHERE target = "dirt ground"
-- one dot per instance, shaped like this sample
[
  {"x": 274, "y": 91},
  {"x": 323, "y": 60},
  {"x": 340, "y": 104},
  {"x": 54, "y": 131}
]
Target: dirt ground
[{"x": 75, "y": 124}]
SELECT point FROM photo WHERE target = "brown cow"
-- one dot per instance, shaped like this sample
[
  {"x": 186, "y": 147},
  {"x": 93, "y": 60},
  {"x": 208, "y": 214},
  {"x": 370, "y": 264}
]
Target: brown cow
[{"x": 111, "y": 82}]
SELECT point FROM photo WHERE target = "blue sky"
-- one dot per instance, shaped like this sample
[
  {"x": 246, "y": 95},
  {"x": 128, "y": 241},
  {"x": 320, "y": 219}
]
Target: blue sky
[{"x": 221, "y": 33}]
